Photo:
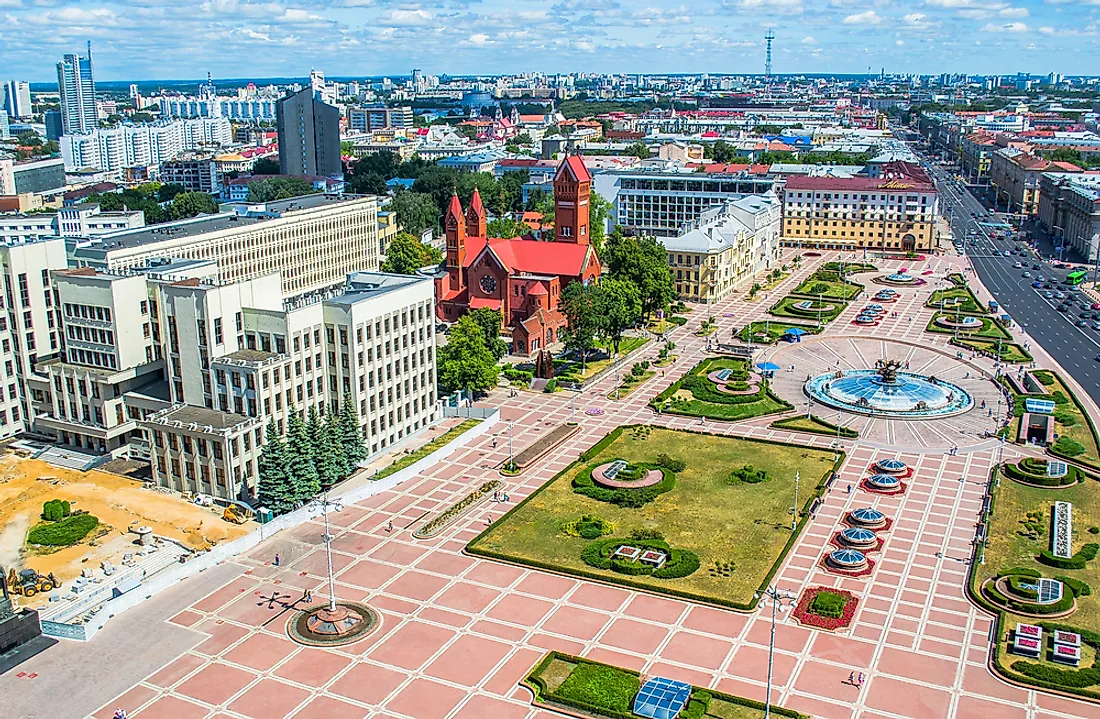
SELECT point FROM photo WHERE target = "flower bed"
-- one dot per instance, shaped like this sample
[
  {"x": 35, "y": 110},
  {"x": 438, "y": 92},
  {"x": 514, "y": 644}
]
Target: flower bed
[
  {"x": 435, "y": 524},
  {"x": 826, "y": 608},
  {"x": 850, "y": 573},
  {"x": 866, "y": 485},
  {"x": 543, "y": 445},
  {"x": 440, "y": 441}
]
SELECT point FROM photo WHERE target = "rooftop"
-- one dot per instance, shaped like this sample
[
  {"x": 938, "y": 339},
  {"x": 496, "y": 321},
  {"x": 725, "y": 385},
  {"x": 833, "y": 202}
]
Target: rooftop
[
  {"x": 201, "y": 417},
  {"x": 857, "y": 184},
  {"x": 246, "y": 355}
]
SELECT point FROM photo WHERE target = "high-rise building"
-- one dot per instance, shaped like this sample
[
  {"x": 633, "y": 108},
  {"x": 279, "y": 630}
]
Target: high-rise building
[
  {"x": 55, "y": 128},
  {"x": 77, "y": 89},
  {"x": 17, "y": 98},
  {"x": 309, "y": 136}
]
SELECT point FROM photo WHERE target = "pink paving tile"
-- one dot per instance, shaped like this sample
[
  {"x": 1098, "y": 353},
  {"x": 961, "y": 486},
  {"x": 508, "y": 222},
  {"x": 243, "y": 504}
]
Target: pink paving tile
[
  {"x": 597, "y": 596},
  {"x": 480, "y": 707},
  {"x": 826, "y": 680},
  {"x": 323, "y": 707},
  {"x": 221, "y": 634},
  {"x": 468, "y": 661},
  {"x": 129, "y": 700},
  {"x": 493, "y": 574},
  {"x": 974, "y": 707},
  {"x": 170, "y": 707},
  {"x": 633, "y": 636},
  {"x": 845, "y": 650},
  {"x": 751, "y": 662},
  {"x": 313, "y": 667},
  {"x": 395, "y": 605},
  {"x": 931, "y": 670},
  {"x": 906, "y": 699},
  {"x": 551, "y": 642},
  {"x": 526, "y": 611},
  {"x": 425, "y": 699},
  {"x": 978, "y": 680},
  {"x": 260, "y": 651},
  {"x": 416, "y": 585},
  {"x": 697, "y": 650},
  {"x": 739, "y": 688},
  {"x": 316, "y": 563},
  {"x": 398, "y": 553},
  {"x": 546, "y": 585},
  {"x": 445, "y": 563},
  {"x": 576, "y": 623},
  {"x": 944, "y": 649},
  {"x": 1069, "y": 707},
  {"x": 176, "y": 670},
  {"x": 368, "y": 574},
  {"x": 227, "y": 593},
  {"x": 411, "y": 645},
  {"x": 269, "y": 698},
  {"x": 215, "y": 683},
  {"x": 499, "y": 630},
  {"x": 512, "y": 671},
  {"x": 818, "y": 708},
  {"x": 645, "y": 606},
  {"x": 788, "y": 637},
  {"x": 355, "y": 543},
  {"x": 442, "y": 616},
  {"x": 367, "y": 683},
  {"x": 257, "y": 607},
  {"x": 682, "y": 674},
  {"x": 186, "y": 618},
  {"x": 616, "y": 659},
  {"x": 715, "y": 621}
]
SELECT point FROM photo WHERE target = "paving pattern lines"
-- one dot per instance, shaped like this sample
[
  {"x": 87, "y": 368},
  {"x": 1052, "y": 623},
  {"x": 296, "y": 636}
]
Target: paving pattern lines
[{"x": 458, "y": 632}]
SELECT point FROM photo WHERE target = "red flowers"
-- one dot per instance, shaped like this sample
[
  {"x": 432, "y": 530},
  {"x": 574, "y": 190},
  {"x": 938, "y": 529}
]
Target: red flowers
[{"x": 803, "y": 614}]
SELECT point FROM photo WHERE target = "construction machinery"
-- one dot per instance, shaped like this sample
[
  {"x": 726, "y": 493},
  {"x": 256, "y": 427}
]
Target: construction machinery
[
  {"x": 237, "y": 514},
  {"x": 28, "y": 582}
]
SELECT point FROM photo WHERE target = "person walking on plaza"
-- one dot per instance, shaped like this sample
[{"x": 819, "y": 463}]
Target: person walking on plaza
[{"x": 276, "y": 559}]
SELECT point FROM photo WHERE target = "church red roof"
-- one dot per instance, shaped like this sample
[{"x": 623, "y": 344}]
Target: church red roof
[
  {"x": 455, "y": 207},
  {"x": 475, "y": 203},
  {"x": 477, "y": 303},
  {"x": 575, "y": 166},
  {"x": 532, "y": 256}
]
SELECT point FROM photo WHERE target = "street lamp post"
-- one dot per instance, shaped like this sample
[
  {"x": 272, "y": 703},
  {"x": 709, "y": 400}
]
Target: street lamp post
[
  {"x": 324, "y": 503},
  {"x": 794, "y": 511},
  {"x": 780, "y": 601},
  {"x": 510, "y": 467}
]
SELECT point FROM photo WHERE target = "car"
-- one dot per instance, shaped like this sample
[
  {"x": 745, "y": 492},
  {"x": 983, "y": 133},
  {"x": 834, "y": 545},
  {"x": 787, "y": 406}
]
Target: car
[
  {"x": 1037, "y": 266},
  {"x": 1040, "y": 278},
  {"x": 1048, "y": 295},
  {"x": 1017, "y": 265},
  {"x": 1096, "y": 315},
  {"x": 1037, "y": 285},
  {"x": 1027, "y": 274},
  {"x": 1085, "y": 315},
  {"x": 1097, "y": 358},
  {"x": 1095, "y": 326},
  {"x": 1060, "y": 295},
  {"x": 1082, "y": 323},
  {"x": 1008, "y": 254},
  {"x": 1049, "y": 285},
  {"x": 1095, "y": 306},
  {"x": 1062, "y": 308}
]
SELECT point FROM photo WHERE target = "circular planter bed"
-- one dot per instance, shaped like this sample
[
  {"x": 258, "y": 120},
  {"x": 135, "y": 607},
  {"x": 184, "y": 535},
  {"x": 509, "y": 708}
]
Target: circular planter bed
[
  {"x": 1034, "y": 473},
  {"x": 1003, "y": 592},
  {"x": 320, "y": 626},
  {"x": 648, "y": 479},
  {"x": 826, "y": 608},
  {"x": 641, "y": 557}
]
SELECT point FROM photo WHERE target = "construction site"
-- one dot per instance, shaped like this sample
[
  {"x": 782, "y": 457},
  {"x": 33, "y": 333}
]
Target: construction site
[{"x": 134, "y": 530}]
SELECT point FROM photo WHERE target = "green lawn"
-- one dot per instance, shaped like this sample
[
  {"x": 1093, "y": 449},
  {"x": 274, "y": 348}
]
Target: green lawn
[
  {"x": 1009, "y": 351},
  {"x": 813, "y": 425},
  {"x": 786, "y": 307},
  {"x": 968, "y": 302},
  {"x": 1009, "y": 548},
  {"x": 570, "y": 370},
  {"x": 694, "y": 395},
  {"x": 427, "y": 449},
  {"x": 747, "y": 524},
  {"x": 816, "y": 285},
  {"x": 630, "y": 383},
  {"x": 990, "y": 329},
  {"x": 770, "y": 332},
  {"x": 850, "y": 268},
  {"x": 1070, "y": 420}
]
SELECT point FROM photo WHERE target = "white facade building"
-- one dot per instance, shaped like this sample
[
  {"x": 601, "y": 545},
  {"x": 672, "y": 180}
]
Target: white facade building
[{"x": 133, "y": 145}]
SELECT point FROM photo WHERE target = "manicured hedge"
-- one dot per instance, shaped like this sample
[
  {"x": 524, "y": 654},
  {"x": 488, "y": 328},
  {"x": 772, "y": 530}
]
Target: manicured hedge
[
  {"x": 625, "y": 497},
  {"x": 825, "y": 428},
  {"x": 680, "y": 563},
  {"x": 63, "y": 533},
  {"x": 1082, "y": 557},
  {"x": 1026, "y": 607},
  {"x": 1020, "y": 473}
]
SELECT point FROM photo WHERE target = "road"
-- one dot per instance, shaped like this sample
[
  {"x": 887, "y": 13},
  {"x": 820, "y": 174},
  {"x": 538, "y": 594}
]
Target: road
[{"x": 1074, "y": 348}]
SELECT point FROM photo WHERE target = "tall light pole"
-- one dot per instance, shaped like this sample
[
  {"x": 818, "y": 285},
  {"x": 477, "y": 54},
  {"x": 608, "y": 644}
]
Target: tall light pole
[
  {"x": 780, "y": 601},
  {"x": 510, "y": 465},
  {"x": 324, "y": 503},
  {"x": 794, "y": 512}
]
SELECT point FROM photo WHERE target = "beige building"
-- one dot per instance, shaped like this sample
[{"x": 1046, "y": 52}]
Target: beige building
[
  {"x": 312, "y": 241},
  {"x": 1016, "y": 177},
  {"x": 729, "y": 244}
]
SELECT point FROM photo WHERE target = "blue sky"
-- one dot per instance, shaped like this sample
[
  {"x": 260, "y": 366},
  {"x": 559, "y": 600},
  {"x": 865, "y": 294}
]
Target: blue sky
[{"x": 166, "y": 39}]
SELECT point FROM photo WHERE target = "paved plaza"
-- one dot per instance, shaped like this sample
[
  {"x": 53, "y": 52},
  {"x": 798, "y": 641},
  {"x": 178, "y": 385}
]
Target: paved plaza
[{"x": 458, "y": 633}]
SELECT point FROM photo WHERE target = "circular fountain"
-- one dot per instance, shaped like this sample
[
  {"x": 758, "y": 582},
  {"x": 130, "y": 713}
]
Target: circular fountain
[
  {"x": 886, "y": 391},
  {"x": 966, "y": 323}
]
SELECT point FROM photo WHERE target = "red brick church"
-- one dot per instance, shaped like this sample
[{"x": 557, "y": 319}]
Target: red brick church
[{"x": 520, "y": 277}]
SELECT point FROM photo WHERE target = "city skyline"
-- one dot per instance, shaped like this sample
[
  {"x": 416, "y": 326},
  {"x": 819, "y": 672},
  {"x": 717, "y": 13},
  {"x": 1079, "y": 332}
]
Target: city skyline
[{"x": 375, "y": 37}]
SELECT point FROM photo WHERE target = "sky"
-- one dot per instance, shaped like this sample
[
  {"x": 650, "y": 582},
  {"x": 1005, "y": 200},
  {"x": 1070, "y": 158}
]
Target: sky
[{"x": 181, "y": 39}]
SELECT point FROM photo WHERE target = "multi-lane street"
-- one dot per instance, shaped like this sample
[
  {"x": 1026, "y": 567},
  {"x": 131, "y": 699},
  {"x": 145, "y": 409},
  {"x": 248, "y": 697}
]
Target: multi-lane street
[{"x": 1075, "y": 348}]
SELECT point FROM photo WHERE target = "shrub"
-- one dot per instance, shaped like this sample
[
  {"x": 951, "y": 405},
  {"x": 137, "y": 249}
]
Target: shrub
[
  {"x": 641, "y": 535},
  {"x": 1094, "y": 530},
  {"x": 1022, "y": 572},
  {"x": 1067, "y": 447},
  {"x": 1066, "y": 419},
  {"x": 681, "y": 563},
  {"x": 598, "y": 685},
  {"x": 517, "y": 375},
  {"x": 630, "y": 498},
  {"x": 55, "y": 510},
  {"x": 1016, "y": 584},
  {"x": 589, "y": 526},
  {"x": 1083, "y": 556},
  {"x": 748, "y": 475},
  {"x": 828, "y": 604},
  {"x": 63, "y": 533},
  {"x": 551, "y": 385},
  {"x": 819, "y": 288},
  {"x": 671, "y": 463},
  {"x": 1070, "y": 678},
  {"x": 1045, "y": 376},
  {"x": 1079, "y": 588}
]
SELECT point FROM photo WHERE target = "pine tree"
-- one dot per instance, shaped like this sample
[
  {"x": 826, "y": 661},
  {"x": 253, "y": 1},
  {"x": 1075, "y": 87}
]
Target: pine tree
[
  {"x": 275, "y": 490},
  {"x": 333, "y": 425},
  {"x": 303, "y": 473},
  {"x": 351, "y": 438},
  {"x": 329, "y": 461}
]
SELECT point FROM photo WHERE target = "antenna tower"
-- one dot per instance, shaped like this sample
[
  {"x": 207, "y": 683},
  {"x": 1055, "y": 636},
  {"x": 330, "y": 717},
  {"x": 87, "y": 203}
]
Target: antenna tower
[{"x": 768, "y": 37}]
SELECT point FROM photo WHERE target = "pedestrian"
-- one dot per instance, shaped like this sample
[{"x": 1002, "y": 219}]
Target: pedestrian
[
  {"x": 494, "y": 442},
  {"x": 276, "y": 559},
  {"x": 389, "y": 526},
  {"x": 849, "y": 490},
  {"x": 852, "y": 678},
  {"x": 859, "y": 680},
  {"x": 309, "y": 596}
]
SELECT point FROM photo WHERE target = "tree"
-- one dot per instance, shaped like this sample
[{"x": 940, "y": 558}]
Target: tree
[
  {"x": 326, "y": 461},
  {"x": 279, "y": 188},
  {"x": 465, "y": 362},
  {"x": 582, "y": 306},
  {"x": 416, "y": 212},
  {"x": 622, "y": 308},
  {"x": 304, "y": 481},
  {"x": 274, "y": 489},
  {"x": 637, "y": 149},
  {"x": 511, "y": 186},
  {"x": 1068, "y": 154},
  {"x": 507, "y": 228},
  {"x": 349, "y": 436},
  {"x": 406, "y": 254},
  {"x": 108, "y": 201},
  {"x": 190, "y": 204},
  {"x": 490, "y": 321},
  {"x": 369, "y": 184},
  {"x": 167, "y": 193},
  {"x": 522, "y": 138},
  {"x": 599, "y": 212},
  {"x": 265, "y": 166},
  {"x": 723, "y": 152},
  {"x": 28, "y": 138},
  {"x": 643, "y": 262}
]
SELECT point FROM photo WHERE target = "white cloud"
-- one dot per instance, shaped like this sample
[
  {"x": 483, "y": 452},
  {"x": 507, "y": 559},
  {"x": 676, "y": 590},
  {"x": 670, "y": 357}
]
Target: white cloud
[
  {"x": 1014, "y": 12},
  {"x": 1007, "y": 27},
  {"x": 809, "y": 40},
  {"x": 406, "y": 17},
  {"x": 864, "y": 18}
]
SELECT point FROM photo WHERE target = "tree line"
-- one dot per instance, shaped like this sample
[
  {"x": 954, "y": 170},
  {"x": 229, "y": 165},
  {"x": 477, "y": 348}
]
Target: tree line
[{"x": 159, "y": 202}]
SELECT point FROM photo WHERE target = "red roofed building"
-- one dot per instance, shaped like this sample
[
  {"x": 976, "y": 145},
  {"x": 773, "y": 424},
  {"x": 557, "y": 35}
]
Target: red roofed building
[{"x": 523, "y": 278}]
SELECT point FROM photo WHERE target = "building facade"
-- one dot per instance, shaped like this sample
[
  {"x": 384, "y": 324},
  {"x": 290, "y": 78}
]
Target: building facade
[
  {"x": 17, "y": 99},
  {"x": 897, "y": 214},
  {"x": 17, "y": 178},
  {"x": 309, "y": 136},
  {"x": 77, "y": 91},
  {"x": 1069, "y": 209},
  {"x": 369, "y": 119},
  {"x": 117, "y": 148},
  {"x": 195, "y": 174}
]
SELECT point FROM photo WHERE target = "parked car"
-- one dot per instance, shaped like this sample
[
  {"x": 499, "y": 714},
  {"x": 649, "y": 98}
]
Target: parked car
[
  {"x": 1017, "y": 265},
  {"x": 1027, "y": 275},
  {"x": 1060, "y": 295}
]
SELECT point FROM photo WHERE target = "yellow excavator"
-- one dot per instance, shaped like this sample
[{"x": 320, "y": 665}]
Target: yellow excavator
[
  {"x": 28, "y": 582},
  {"x": 237, "y": 514}
]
